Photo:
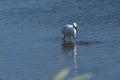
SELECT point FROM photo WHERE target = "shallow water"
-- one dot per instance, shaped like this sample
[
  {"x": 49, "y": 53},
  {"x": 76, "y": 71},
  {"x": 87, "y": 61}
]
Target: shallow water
[{"x": 31, "y": 46}]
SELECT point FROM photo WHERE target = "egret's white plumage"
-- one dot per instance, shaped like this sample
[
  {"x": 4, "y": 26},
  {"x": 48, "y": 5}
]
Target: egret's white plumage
[{"x": 69, "y": 31}]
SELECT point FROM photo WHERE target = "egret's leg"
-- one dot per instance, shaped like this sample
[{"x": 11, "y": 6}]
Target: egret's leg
[
  {"x": 64, "y": 38},
  {"x": 70, "y": 38}
]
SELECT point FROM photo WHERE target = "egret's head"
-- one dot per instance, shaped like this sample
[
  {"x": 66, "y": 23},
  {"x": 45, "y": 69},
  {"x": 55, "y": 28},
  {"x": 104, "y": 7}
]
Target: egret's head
[{"x": 74, "y": 24}]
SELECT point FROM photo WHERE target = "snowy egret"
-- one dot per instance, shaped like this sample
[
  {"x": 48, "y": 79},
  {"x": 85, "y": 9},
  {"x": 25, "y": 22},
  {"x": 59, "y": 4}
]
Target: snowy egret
[{"x": 69, "y": 31}]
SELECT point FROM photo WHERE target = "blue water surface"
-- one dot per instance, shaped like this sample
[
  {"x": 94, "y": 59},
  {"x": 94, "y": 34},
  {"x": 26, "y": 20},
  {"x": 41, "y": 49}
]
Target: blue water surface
[{"x": 31, "y": 46}]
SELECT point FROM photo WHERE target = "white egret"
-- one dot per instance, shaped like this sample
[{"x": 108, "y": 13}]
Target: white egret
[{"x": 69, "y": 31}]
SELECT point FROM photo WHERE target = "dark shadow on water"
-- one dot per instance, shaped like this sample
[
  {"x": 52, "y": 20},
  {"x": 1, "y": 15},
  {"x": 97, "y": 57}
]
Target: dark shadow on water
[
  {"x": 86, "y": 43},
  {"x": 70, "y": 47}
]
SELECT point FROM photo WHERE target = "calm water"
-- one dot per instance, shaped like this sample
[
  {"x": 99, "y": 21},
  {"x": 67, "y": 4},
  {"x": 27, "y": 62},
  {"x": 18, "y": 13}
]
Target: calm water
[{"x": 31, "y": 46}]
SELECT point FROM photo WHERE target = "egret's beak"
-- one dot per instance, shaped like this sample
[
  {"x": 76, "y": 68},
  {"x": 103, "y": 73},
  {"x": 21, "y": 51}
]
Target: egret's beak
[{"x": 75, "y": 28}]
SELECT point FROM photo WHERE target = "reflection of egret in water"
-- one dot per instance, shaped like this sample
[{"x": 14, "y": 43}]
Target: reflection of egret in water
[{"x": 71, "y": 49}]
